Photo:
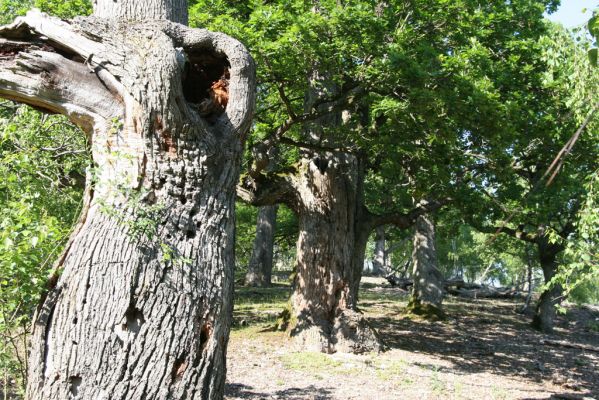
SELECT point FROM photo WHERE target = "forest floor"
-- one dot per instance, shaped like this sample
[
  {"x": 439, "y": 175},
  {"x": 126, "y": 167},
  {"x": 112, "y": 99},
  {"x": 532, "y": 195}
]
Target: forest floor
[{"x": 484, "y": 350}]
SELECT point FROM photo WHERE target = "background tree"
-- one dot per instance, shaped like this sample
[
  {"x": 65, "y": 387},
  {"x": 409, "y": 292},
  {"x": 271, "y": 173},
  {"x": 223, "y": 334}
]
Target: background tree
[
  {"x": 261, "y": 262},
  {"x": 517, "y": 197},
  {"x": 579, "y": 276},
  {"x": 407, "y": 102}
]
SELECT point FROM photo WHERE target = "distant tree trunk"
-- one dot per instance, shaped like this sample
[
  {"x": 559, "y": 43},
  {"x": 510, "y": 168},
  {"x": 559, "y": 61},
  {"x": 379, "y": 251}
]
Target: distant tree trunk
[
  {"x": 549, "y": 299},
  {"x": 380, "y": 258},
  {"x": 406, "y": 267},
  {"x": 142, "y": 308},
  {"x": 529, "y": 284},
  {"x": 260, "y": 265},
  {"x": 427, "y": 293},
  {"x": 330, "y": 257}
]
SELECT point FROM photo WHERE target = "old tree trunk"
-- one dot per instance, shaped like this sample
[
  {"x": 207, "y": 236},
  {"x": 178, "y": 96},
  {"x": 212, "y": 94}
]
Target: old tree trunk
[
  {"x": 330, "y": 257},
  {"x": 142, "y": 307}
]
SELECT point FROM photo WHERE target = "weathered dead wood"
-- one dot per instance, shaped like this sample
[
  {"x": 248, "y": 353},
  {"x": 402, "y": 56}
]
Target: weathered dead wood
[
  {"x": 570, "y": 345},
  {"x": 487, "y": 293},
  {"x": 463, "y": 289},
  {"x": 401, "y": 283}
]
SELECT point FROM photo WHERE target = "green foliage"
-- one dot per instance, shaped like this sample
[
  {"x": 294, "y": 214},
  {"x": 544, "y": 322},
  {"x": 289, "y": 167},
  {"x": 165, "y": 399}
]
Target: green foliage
[
  {"x": 593, "y": 27},
  {"x": 514, "y": 191},
  {"x": 9, "y": 9},
  {"x": 579, "y": 81},
  {"x": 65, "y": 9},
  {"x": 465, "y": 253},
  {"x": 42, "y": 162},
  {"x": 448, "y": 83},
  {"x": 42, "y": 159},
  {"x": 580, "y": 277}
]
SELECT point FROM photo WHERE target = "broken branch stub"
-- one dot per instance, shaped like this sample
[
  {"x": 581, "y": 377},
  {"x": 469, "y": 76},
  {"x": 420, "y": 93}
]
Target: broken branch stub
[{"x": 141, "y": 76}]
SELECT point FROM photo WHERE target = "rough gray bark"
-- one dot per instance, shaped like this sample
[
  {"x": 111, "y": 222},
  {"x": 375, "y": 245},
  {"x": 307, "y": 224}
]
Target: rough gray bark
[
  {"x": 260, "y": 265},
  {"x": 143, "y": 305},
  {"x": 171, "y": 10},
  {"x": 545, "y": 312},
  {"x": 428, "y": 281}
]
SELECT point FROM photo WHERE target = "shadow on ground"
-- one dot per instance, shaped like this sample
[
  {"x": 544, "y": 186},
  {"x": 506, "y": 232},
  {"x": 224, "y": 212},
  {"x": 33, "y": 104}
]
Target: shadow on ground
[{"x": 489, "y": 336}]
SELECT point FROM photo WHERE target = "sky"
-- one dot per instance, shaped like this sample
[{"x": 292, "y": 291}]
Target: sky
[{"x": 570, "y": 12}]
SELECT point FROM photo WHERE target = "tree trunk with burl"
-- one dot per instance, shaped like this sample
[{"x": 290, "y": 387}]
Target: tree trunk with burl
[
  {"x": 142, "y": 306},
  {"x": 329, "y": 259}
]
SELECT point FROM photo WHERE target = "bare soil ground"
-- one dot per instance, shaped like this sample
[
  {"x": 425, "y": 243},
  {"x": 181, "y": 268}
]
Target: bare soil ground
[{"x": 485, "y": 350}]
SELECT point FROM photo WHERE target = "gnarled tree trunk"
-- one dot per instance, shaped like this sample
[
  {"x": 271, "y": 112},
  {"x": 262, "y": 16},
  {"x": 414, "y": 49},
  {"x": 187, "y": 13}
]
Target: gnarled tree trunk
[
  {"x": 427, "y": 293},
  {"x": 142, "y": 307},
  {"x": 324, "y": 313},
  {"x": 260, "y": 265}
]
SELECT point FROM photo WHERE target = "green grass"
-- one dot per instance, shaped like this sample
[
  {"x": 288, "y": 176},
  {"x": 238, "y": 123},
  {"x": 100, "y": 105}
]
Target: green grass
[
  {"x": 313, "y": 362},
  {"x": 391, "y": 370},
  {"x": 259, "y": 306},
  {"x": 593, "y": 326}
]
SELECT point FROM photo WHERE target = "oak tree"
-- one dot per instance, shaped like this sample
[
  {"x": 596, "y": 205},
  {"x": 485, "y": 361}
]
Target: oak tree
[{"x": 141, "y": 303}]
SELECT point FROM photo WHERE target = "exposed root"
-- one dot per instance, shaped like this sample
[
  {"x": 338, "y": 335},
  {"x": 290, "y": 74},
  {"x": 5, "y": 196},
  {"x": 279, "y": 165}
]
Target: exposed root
[
  {"x": 353, "y": 334},
  {"x": 350, "y": 332}
]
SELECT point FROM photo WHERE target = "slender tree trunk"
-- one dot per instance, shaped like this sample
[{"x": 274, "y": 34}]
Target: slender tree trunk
[
  {"x": 143, "y": 305},
  {"x": 427, "y": 293},
  {"x": 330, "y": 257},
  {"x": 549, "y": 299},
  {"x": 260, "y": 266},
  {"x": 483, "y": 277},
  {"x": 528, "y": 284}
]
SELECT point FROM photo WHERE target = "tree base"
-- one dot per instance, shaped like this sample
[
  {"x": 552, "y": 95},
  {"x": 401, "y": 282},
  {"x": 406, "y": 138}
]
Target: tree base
[
  {"x": 350, "y": 332},
  {"x": 542, "y": 325},
  {"x": 418, "y": 310}
]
